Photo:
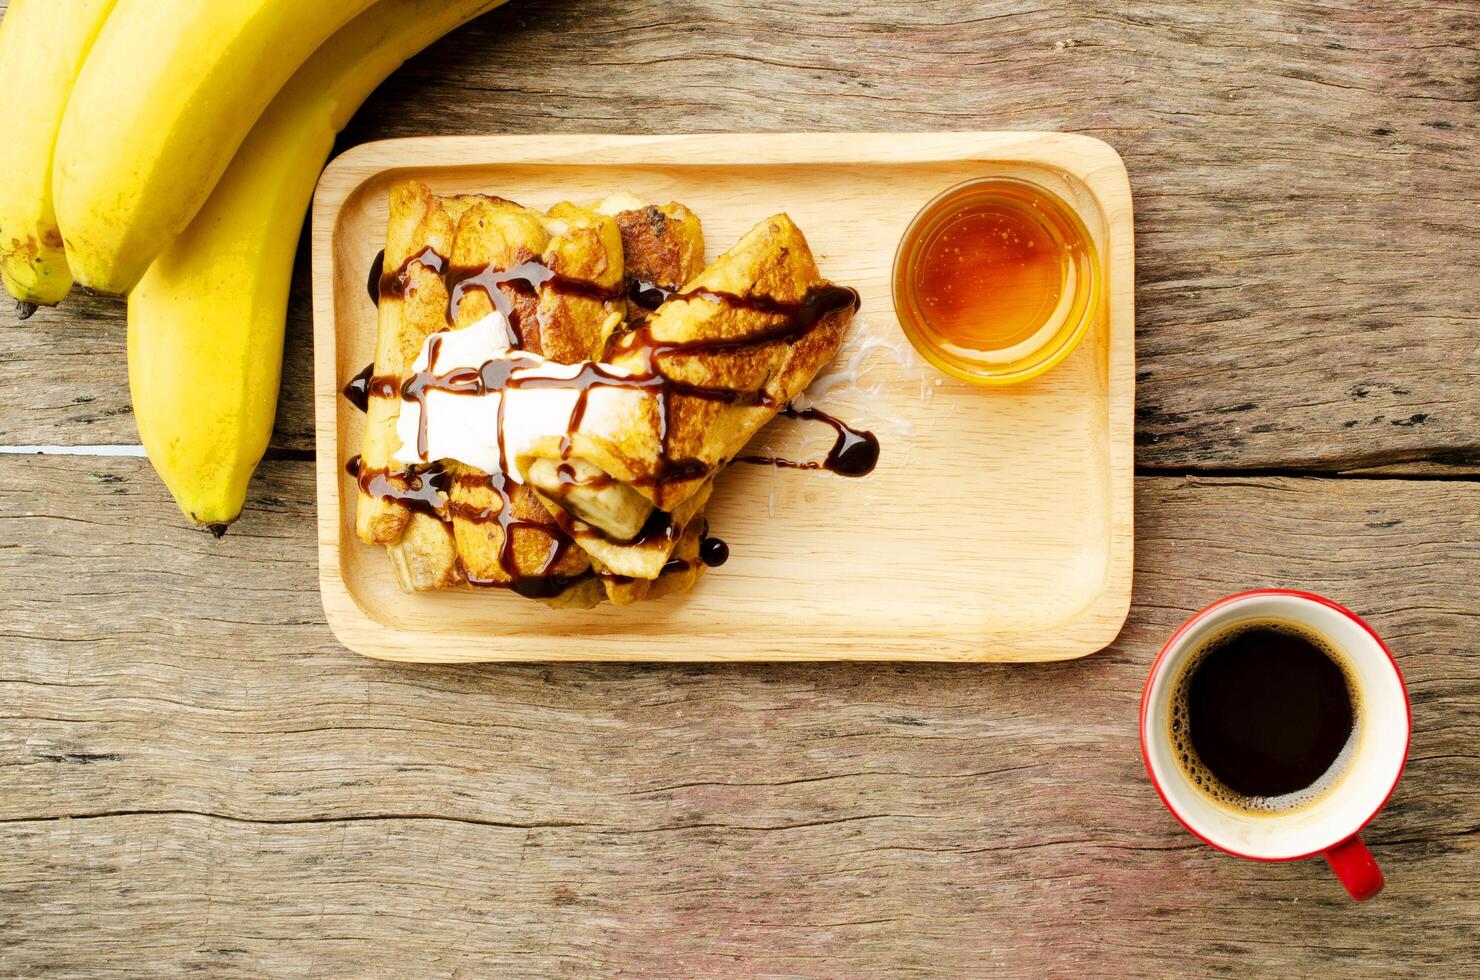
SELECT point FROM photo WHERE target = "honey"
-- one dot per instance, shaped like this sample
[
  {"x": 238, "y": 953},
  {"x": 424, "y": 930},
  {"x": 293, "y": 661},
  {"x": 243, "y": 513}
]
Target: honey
[{"x": 996, "y": 280}]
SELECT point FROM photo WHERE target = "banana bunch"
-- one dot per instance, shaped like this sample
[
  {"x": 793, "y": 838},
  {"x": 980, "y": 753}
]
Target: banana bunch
[{"x": 168, "y": 150}]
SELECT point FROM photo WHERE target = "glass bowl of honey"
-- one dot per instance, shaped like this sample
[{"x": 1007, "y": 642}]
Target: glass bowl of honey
[{"x": 996, "y": 280}]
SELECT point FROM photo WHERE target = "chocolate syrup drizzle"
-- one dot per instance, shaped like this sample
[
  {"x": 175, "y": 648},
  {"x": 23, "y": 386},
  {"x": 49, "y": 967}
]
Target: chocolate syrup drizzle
[
  {"x": 377, "y": 271},
  {"x": 367, "y": 383},
  {"x": 712, "y": 552},
  {"x": 646, "y": 295},
  {"x": 525, "y": 277},
  {"x": 424, "y": 488},
  {"x": 855, "y": 453},
  {"x": 393, "y": 284}
]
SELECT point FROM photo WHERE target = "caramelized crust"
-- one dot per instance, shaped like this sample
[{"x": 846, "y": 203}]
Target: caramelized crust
[{"x": 661, "y": 247}]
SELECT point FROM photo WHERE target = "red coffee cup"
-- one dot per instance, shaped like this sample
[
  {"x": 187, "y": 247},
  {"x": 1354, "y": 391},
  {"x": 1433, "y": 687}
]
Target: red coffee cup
[{"x": 1330, "y": 823}]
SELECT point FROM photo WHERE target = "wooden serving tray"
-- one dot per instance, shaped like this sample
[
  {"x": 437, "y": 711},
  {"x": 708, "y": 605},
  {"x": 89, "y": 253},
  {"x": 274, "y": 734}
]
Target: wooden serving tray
[{"x": 997, "y": 525}]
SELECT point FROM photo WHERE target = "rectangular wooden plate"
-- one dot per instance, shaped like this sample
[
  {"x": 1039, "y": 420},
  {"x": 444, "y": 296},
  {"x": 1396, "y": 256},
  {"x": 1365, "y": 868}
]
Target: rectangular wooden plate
[{"x": 997, "y": 526}]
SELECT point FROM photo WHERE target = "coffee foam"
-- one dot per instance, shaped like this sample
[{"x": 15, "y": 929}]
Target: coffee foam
[{"x": 1214, "y": 788}]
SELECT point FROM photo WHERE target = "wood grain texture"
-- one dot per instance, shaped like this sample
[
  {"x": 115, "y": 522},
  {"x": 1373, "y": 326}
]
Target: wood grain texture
[
  {"x": 1304, "y": 172},
  {"x": 194, "y": 776},
  {"x": 901, "y": 566}
]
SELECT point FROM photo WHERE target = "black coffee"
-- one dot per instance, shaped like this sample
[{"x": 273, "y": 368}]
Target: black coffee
[{"x": 1263, "y": 716}]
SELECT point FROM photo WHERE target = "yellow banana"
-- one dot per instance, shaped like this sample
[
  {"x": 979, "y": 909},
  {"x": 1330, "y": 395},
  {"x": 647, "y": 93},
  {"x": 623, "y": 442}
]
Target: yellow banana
[
  {"x": 166, "y": 96},
  {"x": 205, "y": 325},
  {"x": 42, "y": 47}
]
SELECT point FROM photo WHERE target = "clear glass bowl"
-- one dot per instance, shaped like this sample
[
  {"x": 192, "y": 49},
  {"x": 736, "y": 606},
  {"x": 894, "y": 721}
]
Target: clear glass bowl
[{"x": 1077, "y": 305}]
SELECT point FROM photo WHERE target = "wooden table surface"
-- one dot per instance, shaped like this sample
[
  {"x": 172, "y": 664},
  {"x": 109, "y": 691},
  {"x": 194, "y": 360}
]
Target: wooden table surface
[{"x": 195, "y": 776}]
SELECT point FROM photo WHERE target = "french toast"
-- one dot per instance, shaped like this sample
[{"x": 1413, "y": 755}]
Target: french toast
[{"x": 575, "y": 308}]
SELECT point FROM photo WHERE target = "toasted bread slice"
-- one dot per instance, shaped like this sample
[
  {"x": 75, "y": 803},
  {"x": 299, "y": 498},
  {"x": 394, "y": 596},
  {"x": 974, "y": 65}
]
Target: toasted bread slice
[
  {"x": 585, "y": 247},
  {"x": 415, "y": 308},
  {"x": 499, "y": 235}
]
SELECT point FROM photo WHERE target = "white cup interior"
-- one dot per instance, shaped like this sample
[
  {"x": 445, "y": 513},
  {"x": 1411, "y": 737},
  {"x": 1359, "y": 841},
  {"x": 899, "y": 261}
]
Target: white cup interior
[{"x": 1370, "y": 775}]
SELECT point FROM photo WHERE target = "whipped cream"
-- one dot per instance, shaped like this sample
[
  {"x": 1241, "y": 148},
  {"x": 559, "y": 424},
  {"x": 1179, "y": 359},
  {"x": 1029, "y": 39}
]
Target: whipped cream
[{"x": 465, "y": 426}]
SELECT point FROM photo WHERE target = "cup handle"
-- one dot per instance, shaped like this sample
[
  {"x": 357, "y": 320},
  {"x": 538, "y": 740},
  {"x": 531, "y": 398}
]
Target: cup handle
[{"x": 1356, "y": 868}]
